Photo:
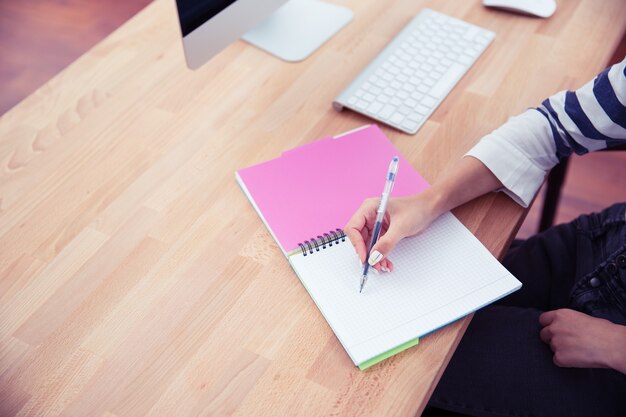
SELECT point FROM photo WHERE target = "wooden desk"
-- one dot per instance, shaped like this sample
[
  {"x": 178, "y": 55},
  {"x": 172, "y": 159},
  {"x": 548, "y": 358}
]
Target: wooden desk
[{"x": 136, "y": 279}]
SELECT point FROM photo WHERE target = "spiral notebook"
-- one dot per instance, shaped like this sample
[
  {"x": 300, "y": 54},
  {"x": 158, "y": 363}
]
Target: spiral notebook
[{"x": 308, "y": 194}]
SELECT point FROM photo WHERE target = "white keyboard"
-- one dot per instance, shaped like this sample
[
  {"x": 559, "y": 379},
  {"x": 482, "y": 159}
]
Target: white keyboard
[{"x": 406, "y": 82}]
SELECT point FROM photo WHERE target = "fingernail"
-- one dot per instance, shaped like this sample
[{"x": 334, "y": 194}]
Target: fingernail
[
  {"x": 375, "y": 271},
  {"x": 384, "y": 268},
  {"x": 375, "y": 257}
]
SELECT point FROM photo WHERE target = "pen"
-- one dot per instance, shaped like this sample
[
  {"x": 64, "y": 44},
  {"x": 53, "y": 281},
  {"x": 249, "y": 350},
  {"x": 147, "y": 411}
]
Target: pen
[{"x": 380, "y": 214}]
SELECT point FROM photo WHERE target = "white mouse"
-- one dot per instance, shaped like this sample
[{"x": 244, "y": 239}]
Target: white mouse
[{"x": 541, "y": 8}]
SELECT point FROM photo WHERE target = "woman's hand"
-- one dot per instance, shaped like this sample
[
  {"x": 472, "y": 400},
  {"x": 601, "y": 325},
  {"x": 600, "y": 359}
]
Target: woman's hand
[{"x": 405, "y": 216}]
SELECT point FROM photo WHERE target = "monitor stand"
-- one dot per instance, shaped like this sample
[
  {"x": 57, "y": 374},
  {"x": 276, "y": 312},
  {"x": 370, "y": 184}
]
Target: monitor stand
[{"x": 298, "y": 28}]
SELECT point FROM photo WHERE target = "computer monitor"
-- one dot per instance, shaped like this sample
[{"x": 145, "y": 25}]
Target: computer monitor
[{"x": 290, "y": 30}]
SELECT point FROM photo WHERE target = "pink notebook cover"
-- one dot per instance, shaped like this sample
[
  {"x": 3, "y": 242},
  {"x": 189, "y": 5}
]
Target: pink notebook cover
[{"x": 317, "y": 187}]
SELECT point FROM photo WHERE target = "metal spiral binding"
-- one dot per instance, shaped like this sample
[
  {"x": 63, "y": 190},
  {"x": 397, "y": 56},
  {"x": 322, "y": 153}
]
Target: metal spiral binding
[{"x": 321, "y": 241}]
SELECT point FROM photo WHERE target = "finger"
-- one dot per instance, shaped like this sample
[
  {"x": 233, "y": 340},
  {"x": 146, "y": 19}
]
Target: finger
[
  {"x": 546, "y": 335},
  {"x": 390, "y": 265},
  {"x": 383, "y": 266},
  {"x": 386, "y": 265},
  {"x": 547, "y": 318},
  {"x": 354, "y": 230},
  {"x": 384, "y": 246},
  {"x": 366, "y": 234},
  {"x": 358, "y": 227}
]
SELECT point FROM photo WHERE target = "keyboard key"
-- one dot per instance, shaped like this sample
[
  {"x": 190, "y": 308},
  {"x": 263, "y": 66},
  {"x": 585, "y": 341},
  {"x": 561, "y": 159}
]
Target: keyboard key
[
  {"x": 386, "y": 112},
  {"x": 409, "y": 102},
  {"x": 375, "y": 107},
  {"x": 403, "y": 95},
  {"x": 404, "y": 110},
  {"x": 429, "y": 101},
  {"x": 445, "y": 82},
  {"x": 397, "y": 118},
  {"x": 471, "y": 32},
  {"x": 416, "y": 117},
  {"x": 362, "y": 104},
  {"x": 423, "y": 110},
  {"x": 409, "y": 125},
  {"x": 369, "y": 97},
  {"x": 482, "y": 40},
  {"x": 382, "y": 83},
  {"x": 464, "y": 59}
]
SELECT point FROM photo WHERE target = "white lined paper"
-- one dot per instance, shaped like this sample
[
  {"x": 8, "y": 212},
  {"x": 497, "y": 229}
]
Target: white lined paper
[{"x": 440, "y": 276}]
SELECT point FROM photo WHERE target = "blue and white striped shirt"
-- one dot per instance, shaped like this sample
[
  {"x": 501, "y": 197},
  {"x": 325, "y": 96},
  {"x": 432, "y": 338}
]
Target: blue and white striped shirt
[{"x": 523, "y": 150}]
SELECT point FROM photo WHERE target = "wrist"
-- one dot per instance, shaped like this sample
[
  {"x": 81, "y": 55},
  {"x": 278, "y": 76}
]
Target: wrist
[
  {"x": 434, "y": 202},
  {"x": 617, "y": 359}
]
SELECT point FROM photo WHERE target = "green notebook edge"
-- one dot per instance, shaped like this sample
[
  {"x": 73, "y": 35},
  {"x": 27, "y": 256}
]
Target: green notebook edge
[{"x": 376, "y": 359}]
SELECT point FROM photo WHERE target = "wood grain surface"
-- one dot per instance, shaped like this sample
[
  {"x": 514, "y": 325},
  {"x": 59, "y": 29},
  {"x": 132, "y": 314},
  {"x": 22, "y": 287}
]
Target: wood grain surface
[{"x": 135, "y": 277}]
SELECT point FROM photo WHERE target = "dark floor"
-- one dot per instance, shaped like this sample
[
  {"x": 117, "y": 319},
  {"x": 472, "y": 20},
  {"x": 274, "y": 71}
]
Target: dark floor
[{"x": 38, "y": 38}]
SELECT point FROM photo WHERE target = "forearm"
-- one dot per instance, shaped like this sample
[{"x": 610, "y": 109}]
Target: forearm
[{"x": 469, "y": 179}]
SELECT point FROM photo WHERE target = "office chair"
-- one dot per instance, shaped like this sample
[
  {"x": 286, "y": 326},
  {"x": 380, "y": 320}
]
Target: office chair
[{"x": 555, "y": 181}]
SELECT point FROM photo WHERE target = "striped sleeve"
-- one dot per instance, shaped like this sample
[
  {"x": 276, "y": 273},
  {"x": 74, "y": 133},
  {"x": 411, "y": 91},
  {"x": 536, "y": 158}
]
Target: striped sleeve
[{"x": 523, "y": 150}]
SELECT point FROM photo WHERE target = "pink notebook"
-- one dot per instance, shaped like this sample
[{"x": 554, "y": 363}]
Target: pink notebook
[
  {"x": 317, "y": 187},
  {"x": 314, "y": 189}
]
